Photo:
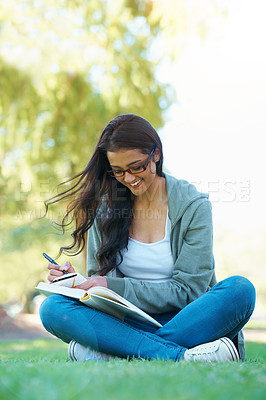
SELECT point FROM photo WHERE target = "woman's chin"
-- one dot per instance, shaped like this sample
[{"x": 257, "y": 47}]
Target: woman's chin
[{"x": 138, "y": 189}]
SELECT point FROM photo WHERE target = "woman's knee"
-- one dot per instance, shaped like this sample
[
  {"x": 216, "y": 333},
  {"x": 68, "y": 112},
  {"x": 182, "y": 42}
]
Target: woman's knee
[
  {"x": 242, "y": 288},
  {"x": 51, "y": 306}
]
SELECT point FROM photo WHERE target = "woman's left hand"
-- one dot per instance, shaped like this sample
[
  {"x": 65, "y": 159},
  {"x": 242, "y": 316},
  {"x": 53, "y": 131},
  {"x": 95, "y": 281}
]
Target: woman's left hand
[{"x": 93, "y": 281}]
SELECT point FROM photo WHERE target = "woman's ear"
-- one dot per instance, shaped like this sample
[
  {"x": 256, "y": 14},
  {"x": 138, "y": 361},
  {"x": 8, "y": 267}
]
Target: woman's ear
[{"x": 157, "y": 155}]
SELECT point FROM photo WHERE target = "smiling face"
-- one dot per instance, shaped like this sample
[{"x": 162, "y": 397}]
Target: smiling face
[{"x": 124, "y": 159}]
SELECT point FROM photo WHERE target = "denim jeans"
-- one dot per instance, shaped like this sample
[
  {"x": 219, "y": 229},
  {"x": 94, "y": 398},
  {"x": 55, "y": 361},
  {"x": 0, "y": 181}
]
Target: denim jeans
[{"x": 222, "y": 311}]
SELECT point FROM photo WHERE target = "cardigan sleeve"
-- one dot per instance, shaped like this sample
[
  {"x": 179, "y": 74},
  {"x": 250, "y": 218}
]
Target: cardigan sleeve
[{"x": 93, "y": 243}]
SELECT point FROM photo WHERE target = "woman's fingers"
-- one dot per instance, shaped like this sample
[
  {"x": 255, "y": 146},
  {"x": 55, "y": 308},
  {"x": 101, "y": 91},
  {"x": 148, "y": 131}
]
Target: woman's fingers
[
  {"x": 53, "y": 266},
  {"x": 67, "y": 267},
  {"x": 57, "y": 270},
  {"x": 54, "y": 271}
]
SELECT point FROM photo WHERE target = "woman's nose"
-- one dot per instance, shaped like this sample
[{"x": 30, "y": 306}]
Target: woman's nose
[{"x": 128, "y": 177}]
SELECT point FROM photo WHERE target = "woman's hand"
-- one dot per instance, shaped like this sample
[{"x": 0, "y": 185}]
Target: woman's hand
[
  {"x": 93, "y": 281},
  {"x": 57, "y": 270}
]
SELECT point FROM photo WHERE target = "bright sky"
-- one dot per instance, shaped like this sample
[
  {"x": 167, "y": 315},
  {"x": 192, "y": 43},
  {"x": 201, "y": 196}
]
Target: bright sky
[{"x": 214, "y": 137}]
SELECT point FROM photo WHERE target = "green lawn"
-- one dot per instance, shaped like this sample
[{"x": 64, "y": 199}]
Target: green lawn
[{"x": 41, "y": 369}]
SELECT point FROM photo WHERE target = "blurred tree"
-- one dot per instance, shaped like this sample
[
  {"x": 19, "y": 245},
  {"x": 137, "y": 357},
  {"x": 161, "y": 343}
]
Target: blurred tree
[{"x": 66, "y": 68}]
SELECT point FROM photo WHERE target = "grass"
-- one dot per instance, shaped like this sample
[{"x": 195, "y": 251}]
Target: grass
[{"x": 41, "y": 369}]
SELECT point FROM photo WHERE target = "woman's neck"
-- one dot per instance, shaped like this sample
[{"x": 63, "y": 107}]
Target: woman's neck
[{"x": 155, "y": 196}]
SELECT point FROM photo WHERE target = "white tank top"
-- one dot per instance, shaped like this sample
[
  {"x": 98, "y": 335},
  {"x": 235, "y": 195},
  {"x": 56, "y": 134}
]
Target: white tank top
[{"x": 149, "y": 261}]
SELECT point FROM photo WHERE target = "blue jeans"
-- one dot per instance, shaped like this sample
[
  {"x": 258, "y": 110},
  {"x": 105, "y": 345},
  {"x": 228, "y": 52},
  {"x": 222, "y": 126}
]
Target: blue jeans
[{"x": 222, "y": 311}]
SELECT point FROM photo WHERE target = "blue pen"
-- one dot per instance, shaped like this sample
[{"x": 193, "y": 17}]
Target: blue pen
[{"x": 52, "y": 261}]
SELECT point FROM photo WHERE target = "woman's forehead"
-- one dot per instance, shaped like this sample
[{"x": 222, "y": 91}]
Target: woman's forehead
[{"x": 124, "y": 156}]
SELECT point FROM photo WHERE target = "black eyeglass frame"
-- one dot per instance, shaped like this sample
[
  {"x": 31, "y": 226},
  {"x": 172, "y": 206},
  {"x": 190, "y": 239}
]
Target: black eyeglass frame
[{"x": 142, "y": 166}]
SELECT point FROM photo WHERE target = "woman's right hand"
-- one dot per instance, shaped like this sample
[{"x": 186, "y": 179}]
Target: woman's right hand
[{"x": 57, "y": 270}]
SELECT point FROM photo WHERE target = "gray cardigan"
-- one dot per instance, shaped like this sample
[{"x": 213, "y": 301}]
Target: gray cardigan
[
  {"x": 191, "y": 242},
  {"x": 190, "y": 215}
]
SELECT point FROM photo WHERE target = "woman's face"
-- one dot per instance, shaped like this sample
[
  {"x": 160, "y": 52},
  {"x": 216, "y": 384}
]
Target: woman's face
[{"x": 124, "y": 159}]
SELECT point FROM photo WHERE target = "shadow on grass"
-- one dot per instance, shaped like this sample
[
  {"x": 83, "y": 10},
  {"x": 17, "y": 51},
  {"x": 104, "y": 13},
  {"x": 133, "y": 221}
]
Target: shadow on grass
[{"x": 51, "y": 349}]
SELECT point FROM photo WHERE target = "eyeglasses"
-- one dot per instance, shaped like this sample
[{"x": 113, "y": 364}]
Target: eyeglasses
[{"x": 118, "y": 173}]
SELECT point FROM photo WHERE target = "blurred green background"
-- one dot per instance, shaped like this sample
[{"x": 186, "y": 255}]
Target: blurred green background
[{"x": 66, "y": 68}]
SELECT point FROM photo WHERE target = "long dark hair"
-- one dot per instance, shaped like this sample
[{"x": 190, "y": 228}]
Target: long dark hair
[{"x": 95, "y": 194}]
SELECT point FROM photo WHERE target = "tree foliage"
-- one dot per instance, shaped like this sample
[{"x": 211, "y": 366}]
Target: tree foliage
[{"x": 66, "y": 68}]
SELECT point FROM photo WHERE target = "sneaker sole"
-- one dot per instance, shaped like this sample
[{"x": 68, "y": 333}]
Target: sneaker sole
[
  {"x": 71, "y": 352},
  {"x": 91, "y": 355},
  {"x": 231, "y": 347}
]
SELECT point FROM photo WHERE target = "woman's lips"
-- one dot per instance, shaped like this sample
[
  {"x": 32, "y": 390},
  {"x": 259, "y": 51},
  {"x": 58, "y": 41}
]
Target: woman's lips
[{"x": 136, "y": 184}]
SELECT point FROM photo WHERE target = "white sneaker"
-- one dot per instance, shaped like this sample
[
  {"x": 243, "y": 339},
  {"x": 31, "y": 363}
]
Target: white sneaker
[
  {"x": 77, "y": 352},
  {"x": 220, "y": 350}
]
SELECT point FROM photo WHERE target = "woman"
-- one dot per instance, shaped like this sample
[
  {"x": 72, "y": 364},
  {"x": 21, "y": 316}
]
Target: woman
[{"x": 149, "y": 240}]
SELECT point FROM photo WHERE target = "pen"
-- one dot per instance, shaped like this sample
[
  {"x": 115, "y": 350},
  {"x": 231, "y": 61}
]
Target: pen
[
  {"x": 52, "y": 261},
  {"x": 65, "y": 277}
]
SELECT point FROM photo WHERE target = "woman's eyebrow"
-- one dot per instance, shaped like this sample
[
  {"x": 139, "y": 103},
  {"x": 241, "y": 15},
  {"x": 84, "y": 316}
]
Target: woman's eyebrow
[{"x": 117, "y": 166}]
